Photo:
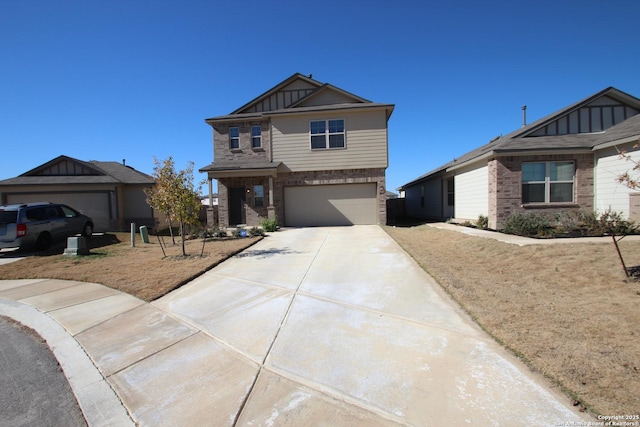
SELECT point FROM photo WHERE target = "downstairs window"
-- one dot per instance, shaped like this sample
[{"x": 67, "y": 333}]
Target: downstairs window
[{"x": 548, "y": 182}]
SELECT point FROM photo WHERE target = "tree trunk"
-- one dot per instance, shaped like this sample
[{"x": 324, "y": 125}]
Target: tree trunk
[
  {"x": 184, "y": 252},
  {"x": 173, "y": 239}
]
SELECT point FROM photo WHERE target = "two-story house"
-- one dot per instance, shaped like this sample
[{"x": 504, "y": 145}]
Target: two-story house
[{"x": 304, "y": 152}]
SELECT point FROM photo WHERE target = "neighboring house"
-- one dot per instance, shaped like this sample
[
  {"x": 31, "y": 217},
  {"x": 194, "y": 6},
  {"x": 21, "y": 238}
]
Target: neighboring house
[
  {"x": 206, "y": 201},
  {"x": 568, "y": 160},
  {"x": 111, "y": 193},
  {"x": 305, "y": 152}
]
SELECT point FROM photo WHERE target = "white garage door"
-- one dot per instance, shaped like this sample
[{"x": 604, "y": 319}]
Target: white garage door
[
  {"x": 94, "y": 205},
  {"x": 318, "y": 205}
]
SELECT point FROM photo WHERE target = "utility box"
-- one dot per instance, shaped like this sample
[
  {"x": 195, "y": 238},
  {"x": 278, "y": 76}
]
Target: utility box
[
  {"x": 76, "y": 246},
  {"x": 144, "y": 234}
]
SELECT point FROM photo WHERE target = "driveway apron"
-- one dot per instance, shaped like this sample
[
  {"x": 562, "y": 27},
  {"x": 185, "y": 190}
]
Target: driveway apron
[{"x": 330, "y": 326}]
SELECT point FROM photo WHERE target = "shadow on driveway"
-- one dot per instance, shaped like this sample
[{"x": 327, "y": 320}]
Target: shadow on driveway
[{"x": 266, "y": 253}]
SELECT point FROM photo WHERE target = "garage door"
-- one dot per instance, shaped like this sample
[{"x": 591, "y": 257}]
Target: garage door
[
  {"x": 94, "y": 205},
  {"x": 318, "y": 205}
]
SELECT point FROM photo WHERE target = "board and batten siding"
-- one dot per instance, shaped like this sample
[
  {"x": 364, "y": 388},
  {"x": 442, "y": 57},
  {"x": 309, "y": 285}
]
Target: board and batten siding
[
  {"x": 471, "y": 196},
  {"x": 610, "y": 194},
  {"x": 366, "y": 142}
]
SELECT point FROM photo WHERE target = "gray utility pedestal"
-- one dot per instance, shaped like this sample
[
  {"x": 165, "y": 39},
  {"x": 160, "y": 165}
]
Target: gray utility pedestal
[
  {"x": 76, "y": 246},
  {"x": 144, "y": 234}
]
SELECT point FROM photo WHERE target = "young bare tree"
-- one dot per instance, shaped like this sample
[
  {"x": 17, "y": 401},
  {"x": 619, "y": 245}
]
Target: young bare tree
[
  {"x": 176, "y": 195},
  {"x": 630, "y": 178}
]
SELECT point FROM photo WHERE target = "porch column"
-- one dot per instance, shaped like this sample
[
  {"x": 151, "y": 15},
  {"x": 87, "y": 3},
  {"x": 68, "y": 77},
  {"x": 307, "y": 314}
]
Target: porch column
[
  {"x": 271, "y": 210},
  {"x": 211, "y": 217},
  {"x": 210, "y": 192}
]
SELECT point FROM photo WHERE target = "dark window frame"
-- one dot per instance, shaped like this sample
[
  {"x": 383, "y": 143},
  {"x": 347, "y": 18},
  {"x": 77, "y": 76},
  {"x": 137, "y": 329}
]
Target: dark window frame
[{"x": 329, "y": 134}]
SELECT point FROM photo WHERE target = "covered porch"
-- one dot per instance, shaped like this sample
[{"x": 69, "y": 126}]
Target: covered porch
[{"x": 245, "y": 192}]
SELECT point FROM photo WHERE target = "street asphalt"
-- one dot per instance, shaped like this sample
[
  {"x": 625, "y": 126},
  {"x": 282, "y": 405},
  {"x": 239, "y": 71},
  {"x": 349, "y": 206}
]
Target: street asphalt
[{"x": 33, "y": 388}]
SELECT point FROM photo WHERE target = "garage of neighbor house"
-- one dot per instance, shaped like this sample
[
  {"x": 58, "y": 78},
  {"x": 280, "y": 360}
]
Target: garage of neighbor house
[{"x": 339, "y": 204}]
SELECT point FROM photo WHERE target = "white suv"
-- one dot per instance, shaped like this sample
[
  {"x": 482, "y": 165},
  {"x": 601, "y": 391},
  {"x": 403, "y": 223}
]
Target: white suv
[{"x": 39, "y": 224}]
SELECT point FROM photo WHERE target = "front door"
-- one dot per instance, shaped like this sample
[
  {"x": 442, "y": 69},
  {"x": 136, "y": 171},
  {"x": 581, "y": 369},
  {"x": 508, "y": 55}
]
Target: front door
[{"x": 237, "y": 200}]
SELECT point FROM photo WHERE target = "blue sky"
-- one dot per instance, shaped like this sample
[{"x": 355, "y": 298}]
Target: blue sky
[{"x": 112, "y": 80}]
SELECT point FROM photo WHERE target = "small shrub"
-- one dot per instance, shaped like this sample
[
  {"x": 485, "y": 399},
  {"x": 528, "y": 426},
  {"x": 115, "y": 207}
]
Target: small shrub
[
  {"x": 482, "y": 222},
  {"x": 218, "y": 232},
  {"x": 530, "y": 224},
  {"x": 269, "y": 224},
  {"x": 255, "y": 231},
  {"x": 239, "y": 232}
]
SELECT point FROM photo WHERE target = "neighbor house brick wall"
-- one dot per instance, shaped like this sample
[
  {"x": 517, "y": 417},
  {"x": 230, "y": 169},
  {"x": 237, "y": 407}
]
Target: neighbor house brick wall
[{"x": 505, "y": 186}]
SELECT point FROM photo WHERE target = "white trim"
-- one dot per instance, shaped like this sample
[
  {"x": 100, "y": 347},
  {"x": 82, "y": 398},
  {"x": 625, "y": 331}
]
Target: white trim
[
  {"x": 327, "y": 134},
  {"x": 259, "y": 136},
  {"x": 547, "y": 182}
]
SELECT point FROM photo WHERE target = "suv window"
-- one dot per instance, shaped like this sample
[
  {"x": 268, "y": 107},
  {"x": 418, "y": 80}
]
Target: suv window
[
  {"x": 37, "y": 214},
  {"x": 8, "y": 217},
  {"x": 68, "y": 212},
  {"x": 54, "y": 212}
]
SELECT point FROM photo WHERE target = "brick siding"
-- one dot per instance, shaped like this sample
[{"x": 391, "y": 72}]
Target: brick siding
[
  {"x": 255, "y": 215},
  {"x": 505, "y": 186}
]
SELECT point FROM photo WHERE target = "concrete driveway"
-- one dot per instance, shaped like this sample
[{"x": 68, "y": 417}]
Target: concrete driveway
[
  {"x": 339, "y": 326},
  {"x": 318, "y": 326}
]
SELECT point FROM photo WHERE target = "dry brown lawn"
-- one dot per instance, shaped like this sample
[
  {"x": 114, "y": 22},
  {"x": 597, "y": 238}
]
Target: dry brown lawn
[
  {"x": 142, "y": 271},
  {"x": 567, "y": 310}
]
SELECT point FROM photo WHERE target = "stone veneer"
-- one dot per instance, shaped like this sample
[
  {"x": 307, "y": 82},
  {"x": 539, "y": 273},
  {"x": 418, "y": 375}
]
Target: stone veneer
[
  {"x": 505, "y": 186},
  {"x": 255, "y": 215}
]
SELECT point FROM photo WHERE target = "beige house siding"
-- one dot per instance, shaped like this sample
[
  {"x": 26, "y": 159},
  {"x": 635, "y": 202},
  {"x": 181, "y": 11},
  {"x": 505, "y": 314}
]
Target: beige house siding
[
  {"x": 366, "y": 142},
  {"x": 470, "y": 195},
  {"x": 610, "y": 194},
  {"x": 136, "y": 208}
]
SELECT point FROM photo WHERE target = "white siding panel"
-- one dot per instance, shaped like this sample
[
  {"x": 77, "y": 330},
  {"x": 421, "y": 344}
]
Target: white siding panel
[
  {"x": 366, "y": 142},
  {"x": 610, "y": 194},
  {"x": 472, "y": 193}
]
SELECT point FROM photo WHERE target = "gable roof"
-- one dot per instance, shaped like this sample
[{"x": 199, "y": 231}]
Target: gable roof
[
  {"x": 299, "y": 94},
  {"x": 532, "y": 138},
  {"x": 67, "y": 170}
]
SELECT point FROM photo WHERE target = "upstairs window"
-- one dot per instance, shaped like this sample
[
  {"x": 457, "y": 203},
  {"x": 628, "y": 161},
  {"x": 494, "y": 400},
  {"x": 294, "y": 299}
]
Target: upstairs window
[
  {"x": 234, "y": 138},
  {"x": 256, "y": 136},
  {"x": 547, "y": 182},
  {"x": 327, "y": 134}
]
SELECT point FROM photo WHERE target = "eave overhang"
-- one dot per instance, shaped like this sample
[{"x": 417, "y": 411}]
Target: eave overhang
[{"x": 232, "y": 170}]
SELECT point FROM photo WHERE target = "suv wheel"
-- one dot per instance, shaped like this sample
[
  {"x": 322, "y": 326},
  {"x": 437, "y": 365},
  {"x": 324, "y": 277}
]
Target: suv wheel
[
  {"x": 87, "y": 231},
  {"x": 43, "y": 242}
]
